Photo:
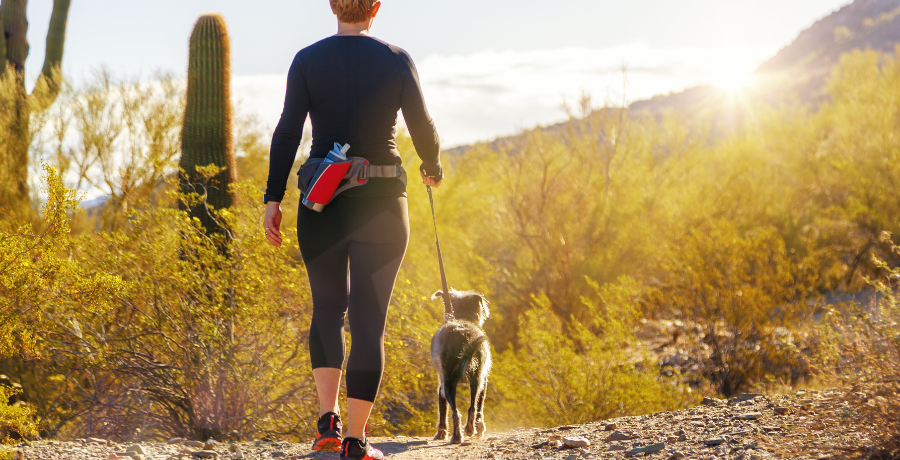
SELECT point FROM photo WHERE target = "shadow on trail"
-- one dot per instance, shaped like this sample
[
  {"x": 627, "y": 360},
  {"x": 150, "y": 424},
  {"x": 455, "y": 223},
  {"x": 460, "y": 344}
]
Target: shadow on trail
[{"x": 418, "y": 448}]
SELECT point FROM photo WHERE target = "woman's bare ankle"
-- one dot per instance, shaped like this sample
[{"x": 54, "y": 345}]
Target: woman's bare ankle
[{"x": 335, "y": 410}]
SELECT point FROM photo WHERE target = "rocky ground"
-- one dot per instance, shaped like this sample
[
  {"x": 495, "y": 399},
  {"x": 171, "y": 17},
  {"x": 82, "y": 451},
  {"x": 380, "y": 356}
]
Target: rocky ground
[{"x": 805, "y": 425}]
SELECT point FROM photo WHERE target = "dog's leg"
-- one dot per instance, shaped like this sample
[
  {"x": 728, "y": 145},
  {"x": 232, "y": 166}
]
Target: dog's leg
[
  {"x": 480, "y": 427},
  {"x": 442, "y": 416},
  {"x": 450, "y": 392},
  {"x": 473, "y": 404}
]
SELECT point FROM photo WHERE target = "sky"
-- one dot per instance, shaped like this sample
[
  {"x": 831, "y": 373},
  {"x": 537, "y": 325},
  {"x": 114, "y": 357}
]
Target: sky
[{"x": 488, "y": 67}]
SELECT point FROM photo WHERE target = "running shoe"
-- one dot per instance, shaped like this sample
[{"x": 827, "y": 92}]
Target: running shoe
[
  {"x": 354, "y": 449},
  {"x": 328, "y": 433}
]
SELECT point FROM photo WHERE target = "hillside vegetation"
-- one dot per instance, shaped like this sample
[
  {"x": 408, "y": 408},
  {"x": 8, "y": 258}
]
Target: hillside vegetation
[{"x": 132, "y": 322}]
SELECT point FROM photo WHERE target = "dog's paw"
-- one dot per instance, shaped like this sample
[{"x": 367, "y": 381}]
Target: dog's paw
[
  {"x": 456, "y": 439},
  {"x": 441, "y": 435}
]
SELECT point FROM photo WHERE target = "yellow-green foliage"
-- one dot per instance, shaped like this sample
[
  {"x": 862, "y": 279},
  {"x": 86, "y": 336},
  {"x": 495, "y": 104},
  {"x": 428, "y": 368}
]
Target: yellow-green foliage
[
  {"x": 202, "y": 342},
  {"x": 115, "y": 137},
  {"x": 39, "y": 282},
  {"x": 42, "y": 287},
  {"x": 584, "y": 374},
  {"x": 742, "y": 288},
  {"x": 14, "y": 418}
]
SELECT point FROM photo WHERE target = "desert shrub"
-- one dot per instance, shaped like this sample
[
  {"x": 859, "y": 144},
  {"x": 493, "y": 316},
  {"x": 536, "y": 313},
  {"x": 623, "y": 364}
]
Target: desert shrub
[
  {"x": 868, "y": 361},
  {"x": 594, "y": 373},
  {"x": 742, "y": 293},
  {"x": 117, "y": 137},
  {"x": 37, "y": 276},
  {"x": 40, "y": 281},
  {"x": 539, "y": 215},
  {"x": 201, "y": 342},
  {"x": 15, "y": 419},
  {"x": 856, "y": 167}
]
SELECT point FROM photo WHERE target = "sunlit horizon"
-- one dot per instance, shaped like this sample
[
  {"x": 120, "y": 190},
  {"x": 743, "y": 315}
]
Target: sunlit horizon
[
  {"x": 490, "y": 94},
  {"x": 481, "y": 79}
]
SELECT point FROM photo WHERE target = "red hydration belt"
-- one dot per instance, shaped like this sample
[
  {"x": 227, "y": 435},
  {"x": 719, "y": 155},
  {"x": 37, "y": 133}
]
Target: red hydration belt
[{"x": 332, "y": 179}]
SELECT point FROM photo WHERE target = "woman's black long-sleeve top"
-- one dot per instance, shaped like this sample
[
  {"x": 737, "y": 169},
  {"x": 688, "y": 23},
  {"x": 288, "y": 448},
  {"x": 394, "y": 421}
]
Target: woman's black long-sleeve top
[{"x": 352, "y": 88}]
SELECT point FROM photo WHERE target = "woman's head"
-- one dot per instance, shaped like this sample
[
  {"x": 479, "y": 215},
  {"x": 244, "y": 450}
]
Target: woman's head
[{"x": 354, "y": 11}]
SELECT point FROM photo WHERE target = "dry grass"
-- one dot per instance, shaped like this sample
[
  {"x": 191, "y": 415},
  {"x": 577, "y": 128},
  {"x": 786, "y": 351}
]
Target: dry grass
[{"x": 868, "y": 365}]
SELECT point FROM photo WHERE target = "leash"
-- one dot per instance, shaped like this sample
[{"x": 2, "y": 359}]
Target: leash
[{"x": 448, "y": 306}]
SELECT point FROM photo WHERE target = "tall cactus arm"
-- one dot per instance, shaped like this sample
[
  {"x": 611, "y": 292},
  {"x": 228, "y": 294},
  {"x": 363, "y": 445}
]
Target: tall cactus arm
[
  {"x": 48, "y": 84},
  {"x": 2, "y": 38},
  {"x": 15, "y": 28}
]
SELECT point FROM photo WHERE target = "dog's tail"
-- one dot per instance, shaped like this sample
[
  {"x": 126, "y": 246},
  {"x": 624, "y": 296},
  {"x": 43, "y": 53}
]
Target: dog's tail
[{"x": 465, "y": 358}]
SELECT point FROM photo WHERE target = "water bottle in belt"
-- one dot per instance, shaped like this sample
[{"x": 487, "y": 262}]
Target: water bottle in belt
[{"x": 328, "y": 176}]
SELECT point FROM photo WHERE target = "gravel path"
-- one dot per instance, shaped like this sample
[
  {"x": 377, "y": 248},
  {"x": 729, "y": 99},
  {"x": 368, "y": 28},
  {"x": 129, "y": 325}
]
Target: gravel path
[{"x": 804, "y": 425}]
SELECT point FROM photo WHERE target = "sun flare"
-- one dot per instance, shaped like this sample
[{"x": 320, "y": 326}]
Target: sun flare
[{"x": 732, "y": 80}]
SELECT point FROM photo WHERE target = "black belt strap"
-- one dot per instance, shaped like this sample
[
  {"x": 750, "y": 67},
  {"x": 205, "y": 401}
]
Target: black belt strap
[{"x": 448, "y": 306}]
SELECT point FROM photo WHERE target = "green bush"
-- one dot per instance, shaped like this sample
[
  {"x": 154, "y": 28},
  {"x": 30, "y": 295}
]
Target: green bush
[
  {"x": 199, "y": 343},
  {"x": 39, "y": 284},
  {"x": 15, "y": 419},
  {"x": 594, "y": 372},
  {"x": 741, "y": 292}
]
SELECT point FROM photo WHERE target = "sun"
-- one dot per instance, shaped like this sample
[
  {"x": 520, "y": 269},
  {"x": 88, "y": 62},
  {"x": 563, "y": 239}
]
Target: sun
[{"x": 732, "y": 80}]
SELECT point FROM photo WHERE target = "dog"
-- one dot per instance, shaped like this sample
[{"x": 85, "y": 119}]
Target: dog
[{"x": 460, "y": 350}]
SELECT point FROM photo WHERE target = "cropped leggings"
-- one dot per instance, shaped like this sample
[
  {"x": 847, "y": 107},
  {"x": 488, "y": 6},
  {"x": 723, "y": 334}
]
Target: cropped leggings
[{"x": 353, "y": 250}]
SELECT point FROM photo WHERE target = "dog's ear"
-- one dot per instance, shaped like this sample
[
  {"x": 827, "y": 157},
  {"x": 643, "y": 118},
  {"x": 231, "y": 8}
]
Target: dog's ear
[
  {"x": 485, "y": 311},
  {"x": 437, "y": 295}
]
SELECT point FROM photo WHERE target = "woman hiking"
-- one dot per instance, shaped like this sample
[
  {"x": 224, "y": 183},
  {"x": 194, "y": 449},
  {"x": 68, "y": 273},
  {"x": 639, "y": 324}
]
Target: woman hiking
[{"x": 351, "y": 85}]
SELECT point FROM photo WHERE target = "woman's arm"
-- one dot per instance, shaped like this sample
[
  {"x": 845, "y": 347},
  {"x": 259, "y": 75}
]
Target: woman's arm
[
  {"x": 284, "y": 148},
  {"x": 288, "y": 133},
  {"x": 421, "y": 127}
]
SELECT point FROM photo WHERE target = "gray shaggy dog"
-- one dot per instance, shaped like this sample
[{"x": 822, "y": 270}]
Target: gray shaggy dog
[{"x": 460, "y": 351}]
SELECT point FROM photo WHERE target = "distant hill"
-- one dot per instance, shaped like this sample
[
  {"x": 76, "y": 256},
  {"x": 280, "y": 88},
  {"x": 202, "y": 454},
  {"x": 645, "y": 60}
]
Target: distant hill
[
  {"x": 798, "y": 72},
  {"x": 794, "y": 75},
  {"x": 864, "y": 24}
]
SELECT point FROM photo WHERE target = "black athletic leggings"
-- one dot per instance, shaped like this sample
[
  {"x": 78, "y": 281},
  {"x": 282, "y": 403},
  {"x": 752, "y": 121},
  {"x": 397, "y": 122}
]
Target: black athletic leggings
[{"x": 352, "y": 251}]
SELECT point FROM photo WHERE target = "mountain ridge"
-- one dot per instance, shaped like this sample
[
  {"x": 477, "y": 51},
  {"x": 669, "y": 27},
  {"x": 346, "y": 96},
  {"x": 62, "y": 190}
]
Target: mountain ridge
[{"x": 795, "y": 74}]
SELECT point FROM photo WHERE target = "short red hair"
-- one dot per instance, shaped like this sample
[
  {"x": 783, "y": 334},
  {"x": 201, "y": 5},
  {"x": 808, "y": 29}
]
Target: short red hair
[{"x": 352, "y": 11}]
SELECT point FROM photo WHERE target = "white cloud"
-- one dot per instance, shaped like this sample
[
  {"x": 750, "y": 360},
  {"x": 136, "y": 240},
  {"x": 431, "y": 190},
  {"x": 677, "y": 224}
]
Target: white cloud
[{"x": 488, "y": 94}]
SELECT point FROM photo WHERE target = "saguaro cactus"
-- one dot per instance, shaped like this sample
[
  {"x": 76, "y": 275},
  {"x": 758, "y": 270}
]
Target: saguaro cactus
[
  {"x": 206, "y": 137},
  {"x": 17, "y": 103}
]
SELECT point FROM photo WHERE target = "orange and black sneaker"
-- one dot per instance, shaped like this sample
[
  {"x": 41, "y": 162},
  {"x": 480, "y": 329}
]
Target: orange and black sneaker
[
  {"x": 354, "y": 449},
  {"x": 328, "y": 433}
]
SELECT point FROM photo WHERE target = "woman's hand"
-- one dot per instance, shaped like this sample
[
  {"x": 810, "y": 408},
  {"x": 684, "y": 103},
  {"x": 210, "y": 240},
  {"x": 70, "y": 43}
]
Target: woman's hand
[
  {"x": 272, "y": 223},
  {"x": 430, "y": 181}
]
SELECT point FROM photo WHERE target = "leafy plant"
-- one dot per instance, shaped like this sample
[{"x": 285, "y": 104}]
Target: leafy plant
[{"x": 594, "y": 372}]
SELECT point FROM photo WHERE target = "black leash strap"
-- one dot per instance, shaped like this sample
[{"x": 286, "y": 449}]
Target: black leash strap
[{"x": 448, "y": 307}]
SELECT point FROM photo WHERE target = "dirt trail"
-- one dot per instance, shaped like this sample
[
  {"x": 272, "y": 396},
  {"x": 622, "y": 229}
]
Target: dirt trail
[
  {"x": 805, "y": 425},
  {"x": 410, "y": 448}
]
